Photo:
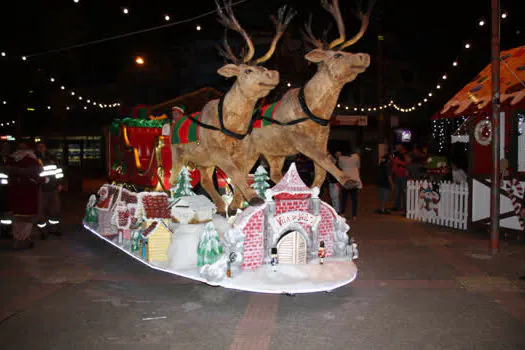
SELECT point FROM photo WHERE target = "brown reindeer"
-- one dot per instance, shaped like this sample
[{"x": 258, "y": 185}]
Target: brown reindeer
[
  {"x": 232, "y": 114},
  {"x": 315, "y": 102}
]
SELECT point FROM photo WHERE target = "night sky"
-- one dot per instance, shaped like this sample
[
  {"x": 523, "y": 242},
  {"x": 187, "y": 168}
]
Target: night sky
[{"x": 426, "y": 35}]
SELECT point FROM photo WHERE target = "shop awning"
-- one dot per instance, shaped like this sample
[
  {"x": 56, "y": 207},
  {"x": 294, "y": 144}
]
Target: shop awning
[{"x": 476, "y": 96}]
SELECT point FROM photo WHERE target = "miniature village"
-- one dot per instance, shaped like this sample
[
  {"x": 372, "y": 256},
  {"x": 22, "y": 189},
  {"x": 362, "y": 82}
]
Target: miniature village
[{"x": 292, "y": 243}]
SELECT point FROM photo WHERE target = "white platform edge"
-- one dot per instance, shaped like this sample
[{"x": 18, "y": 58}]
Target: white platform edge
[{"x": 193, "y": 277}]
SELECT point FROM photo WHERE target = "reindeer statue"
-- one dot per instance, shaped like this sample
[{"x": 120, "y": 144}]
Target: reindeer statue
[
  {"x": 300, "y": 121},
  {"x": 224, "y": 123}
]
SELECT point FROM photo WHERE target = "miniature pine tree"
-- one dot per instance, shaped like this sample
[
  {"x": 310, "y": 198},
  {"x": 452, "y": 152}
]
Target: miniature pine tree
[
  {"x": 209, "y": 249},
  {"x": 183, "y": 186},
  {"x": 260, "y": 184}
]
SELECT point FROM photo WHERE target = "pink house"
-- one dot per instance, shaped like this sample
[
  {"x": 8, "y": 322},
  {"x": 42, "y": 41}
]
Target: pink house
[{"x": 295, "y": 221}]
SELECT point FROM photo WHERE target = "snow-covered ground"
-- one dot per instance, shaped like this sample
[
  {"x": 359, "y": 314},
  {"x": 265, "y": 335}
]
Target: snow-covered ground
[{"x": 291, "y": 279}]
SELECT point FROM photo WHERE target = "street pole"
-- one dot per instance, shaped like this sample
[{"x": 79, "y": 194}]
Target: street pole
[{"x": 495, "y": 176}]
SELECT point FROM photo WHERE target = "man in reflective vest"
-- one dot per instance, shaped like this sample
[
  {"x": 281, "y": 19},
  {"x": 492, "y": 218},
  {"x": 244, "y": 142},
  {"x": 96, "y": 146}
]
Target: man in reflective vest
[{"x": 49, "y": 219}]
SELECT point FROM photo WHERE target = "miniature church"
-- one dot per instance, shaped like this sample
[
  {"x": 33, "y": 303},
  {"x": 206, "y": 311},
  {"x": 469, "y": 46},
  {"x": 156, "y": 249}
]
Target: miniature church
[{"x": 294, "y": 221}]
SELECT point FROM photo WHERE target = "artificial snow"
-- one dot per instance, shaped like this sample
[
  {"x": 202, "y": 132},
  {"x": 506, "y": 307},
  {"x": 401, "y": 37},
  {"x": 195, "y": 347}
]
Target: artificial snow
[
  {"x": 182, "y": 252},
  {"x": 289, "y": 279}
]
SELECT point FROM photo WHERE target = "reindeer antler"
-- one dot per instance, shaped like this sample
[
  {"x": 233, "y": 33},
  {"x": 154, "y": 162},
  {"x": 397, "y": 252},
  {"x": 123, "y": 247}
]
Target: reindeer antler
[
  {"x": 281, "y": 23},
  {"x": 229, "y": 21},
  {"x": 365, "y": 21},
  {"x": 309, "y": 36},
  {"x": 226, "y": 51},
  {"x": 333, "y": 9}
]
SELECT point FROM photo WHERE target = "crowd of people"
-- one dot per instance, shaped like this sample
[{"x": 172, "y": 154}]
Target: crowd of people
[
  {"x": 29, "y": 198},
  {"x": 395, "y": 169}
]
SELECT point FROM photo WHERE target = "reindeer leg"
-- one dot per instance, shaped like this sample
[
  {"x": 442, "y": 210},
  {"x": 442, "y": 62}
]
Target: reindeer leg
[
  {"x": 207, "y": 184},
  {"x": 321, "y": 159},
  {"x": 276, "y": 167},
  {"x": 238, "y": 178},
  {"x": 176, "y": 165},
  {"x": 238, "y": 199},
  {"x": 320, "y": 175}
]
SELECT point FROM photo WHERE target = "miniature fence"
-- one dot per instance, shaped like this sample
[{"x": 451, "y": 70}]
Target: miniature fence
[{"x": 442, "y": 203}]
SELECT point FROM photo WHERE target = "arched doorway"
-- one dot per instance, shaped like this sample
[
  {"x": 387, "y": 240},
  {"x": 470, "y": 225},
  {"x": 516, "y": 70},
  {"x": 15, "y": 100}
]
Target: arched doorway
[{"x": 291, "y": 248}]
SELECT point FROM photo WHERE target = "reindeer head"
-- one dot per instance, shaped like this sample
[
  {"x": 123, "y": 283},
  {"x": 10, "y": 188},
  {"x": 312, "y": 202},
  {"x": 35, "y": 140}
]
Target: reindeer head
[
  {"x": 253, "y": 80},
  {"x": 342, "y": 67}
]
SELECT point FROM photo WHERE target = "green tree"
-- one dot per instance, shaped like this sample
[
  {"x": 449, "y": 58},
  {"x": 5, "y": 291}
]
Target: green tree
[
  {"x": 260, "y": 181},
  {"x": 183, "y": 186},
  {"x": 209, "y": 249}
]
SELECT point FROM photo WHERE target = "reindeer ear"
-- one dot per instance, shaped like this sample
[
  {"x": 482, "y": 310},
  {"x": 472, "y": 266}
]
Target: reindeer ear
[
  {"x": 229, "y": 70},
  {"x": 316, "y": 56}
]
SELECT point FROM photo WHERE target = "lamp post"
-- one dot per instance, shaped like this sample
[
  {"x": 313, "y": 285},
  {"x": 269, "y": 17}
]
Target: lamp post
[{"x": 495, "y": 175}]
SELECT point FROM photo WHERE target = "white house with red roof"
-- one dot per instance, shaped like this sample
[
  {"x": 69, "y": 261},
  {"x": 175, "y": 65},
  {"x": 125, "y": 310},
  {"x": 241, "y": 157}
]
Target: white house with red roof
[{"x": 295, "y": 221}]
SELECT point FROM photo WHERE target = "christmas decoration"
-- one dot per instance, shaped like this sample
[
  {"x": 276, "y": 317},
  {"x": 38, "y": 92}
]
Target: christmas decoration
[
  {"x": 260, "y": 184},
  {"x": 306, "y": 112},
  {"x": 209, "y": 249},
  {"x": 91, "y": 215},
  {"x": 183, "y": 185},
  {"x": 321, "y": 253},
  {"x": 221, "y": 145},
  {"x": 292, "y": 218},
  {"x": 483, "y": 132},
  {"x": 193, "y": 209},
  {"x": 275, "y": 260},
  {"x": 516, "y": 192}
]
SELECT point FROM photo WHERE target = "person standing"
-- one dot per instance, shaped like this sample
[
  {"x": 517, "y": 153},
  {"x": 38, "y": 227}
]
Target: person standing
[
  {"x": 384, "y": 183},
  {"x": 5, "y": 224},
  {"x": 350, "y": 166},
  {"x": 334, "y": 188},
  {"x": 459, "y": 176},
  {"x": 400, "y": 174},
  {"x": 50, "y": 198},
  {"x": 24, "y": 194},
  {"x": 413, "y": 168}
]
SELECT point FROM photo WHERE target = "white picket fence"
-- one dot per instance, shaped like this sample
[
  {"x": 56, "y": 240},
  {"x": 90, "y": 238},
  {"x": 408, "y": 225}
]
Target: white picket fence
[{"x": 443, "y": 203}]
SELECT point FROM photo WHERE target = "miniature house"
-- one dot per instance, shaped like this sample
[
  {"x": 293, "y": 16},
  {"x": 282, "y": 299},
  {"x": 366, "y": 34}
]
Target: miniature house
[
  {"x": 194, "y": 209},
  {"x": 154, "y": 242},
  {"x": 153, "y": 206},
  {"x": 294, "y": 220},
  {"x": 108, "y": 198}
]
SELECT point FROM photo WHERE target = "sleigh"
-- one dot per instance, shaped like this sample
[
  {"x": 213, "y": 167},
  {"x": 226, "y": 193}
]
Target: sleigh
[{"x": 138, "y": 152}]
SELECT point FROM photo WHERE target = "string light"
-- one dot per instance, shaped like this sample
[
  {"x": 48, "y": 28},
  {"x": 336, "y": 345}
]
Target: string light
[{"x": 167, "y": 18}]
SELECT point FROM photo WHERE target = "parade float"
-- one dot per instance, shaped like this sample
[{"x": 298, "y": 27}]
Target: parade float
[
  {"x": 286, "y": 240},
  {"x": 292, "y": 243}
]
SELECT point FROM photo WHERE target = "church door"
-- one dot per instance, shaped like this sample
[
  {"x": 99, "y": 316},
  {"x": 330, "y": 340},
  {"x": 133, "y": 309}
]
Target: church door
[{"x": 291, "y": 248}]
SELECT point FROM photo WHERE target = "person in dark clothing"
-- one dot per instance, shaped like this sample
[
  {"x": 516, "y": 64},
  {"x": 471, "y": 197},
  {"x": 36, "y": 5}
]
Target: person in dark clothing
[
  {"x": 50, "y": 199},
  {"x": 384, "y": 183},
  {"x": 334, "y": 187},
  {"x": 5, "y": 219}
]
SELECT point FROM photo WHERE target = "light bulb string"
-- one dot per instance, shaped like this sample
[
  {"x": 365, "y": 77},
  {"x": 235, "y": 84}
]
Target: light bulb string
[{"x": 125, "y": 35}]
